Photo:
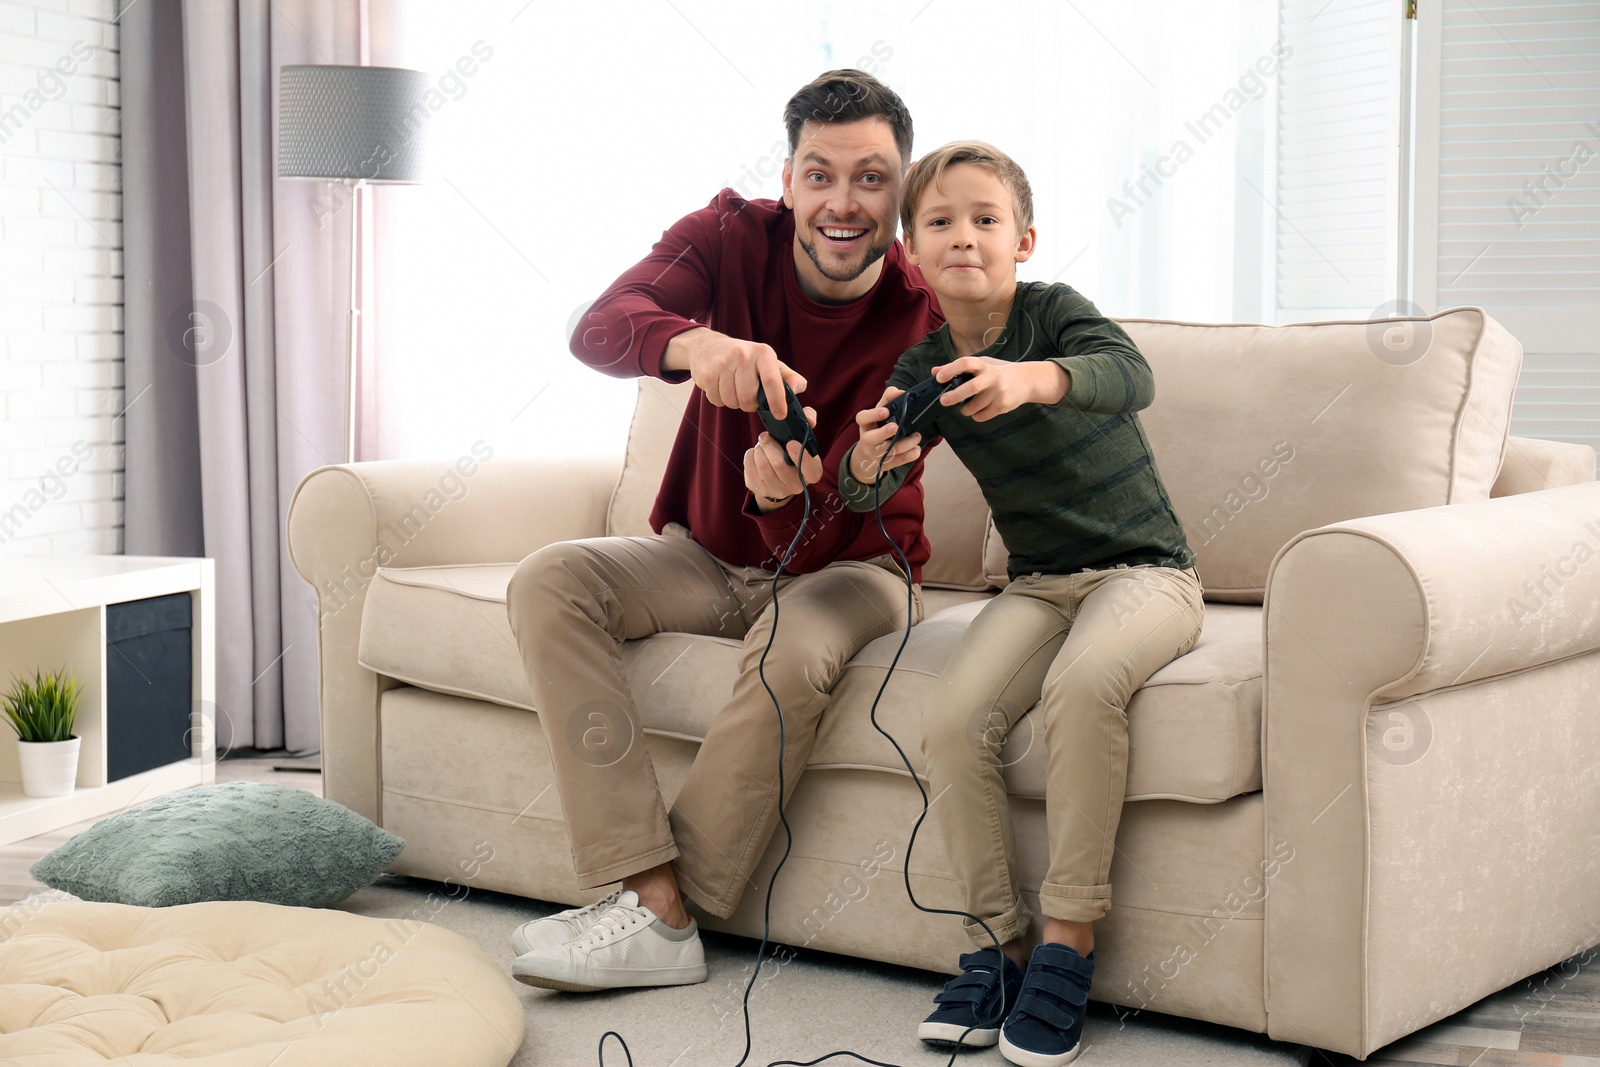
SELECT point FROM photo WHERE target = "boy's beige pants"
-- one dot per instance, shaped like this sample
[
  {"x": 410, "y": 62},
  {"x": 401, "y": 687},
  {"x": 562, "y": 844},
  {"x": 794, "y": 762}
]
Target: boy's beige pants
[
  {"x": 572, "y": 604},
  {"x": 1079, "y": 645}
]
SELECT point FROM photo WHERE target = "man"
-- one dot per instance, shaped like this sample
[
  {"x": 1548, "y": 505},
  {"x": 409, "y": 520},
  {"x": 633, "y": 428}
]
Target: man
[{"x": 813, "y": 291}]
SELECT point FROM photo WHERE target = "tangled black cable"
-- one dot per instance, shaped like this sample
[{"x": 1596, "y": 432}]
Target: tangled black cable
[{"x": 783, "y": 819}]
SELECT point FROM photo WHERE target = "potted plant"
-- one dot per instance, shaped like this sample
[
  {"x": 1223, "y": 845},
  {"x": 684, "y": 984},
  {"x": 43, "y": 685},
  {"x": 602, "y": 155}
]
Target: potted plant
[{"x": 42, "y": 712}]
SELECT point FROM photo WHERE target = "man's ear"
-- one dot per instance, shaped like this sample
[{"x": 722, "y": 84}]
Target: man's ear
[
  {"x": 788, "y": 182},
  {"x": 1026, "y": 244}
]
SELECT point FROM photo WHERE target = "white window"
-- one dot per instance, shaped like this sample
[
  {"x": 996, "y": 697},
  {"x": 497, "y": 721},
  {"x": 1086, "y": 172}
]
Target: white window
[
  {"x": 1450, "y": 159},
  {"x": 1508, "y": 191},
  {"x": 1146, "y": 130},
  {"x": 1339, "y": 160}
]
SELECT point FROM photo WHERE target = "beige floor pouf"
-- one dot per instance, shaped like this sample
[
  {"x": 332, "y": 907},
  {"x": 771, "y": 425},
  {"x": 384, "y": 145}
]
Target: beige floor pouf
[{"x": 245, "y": 985}]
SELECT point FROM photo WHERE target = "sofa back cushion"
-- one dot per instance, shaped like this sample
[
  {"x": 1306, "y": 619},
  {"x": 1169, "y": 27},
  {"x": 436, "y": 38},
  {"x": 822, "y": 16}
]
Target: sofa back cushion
[
  {"x": 657, "y": 410},
  {"x": 1262, "y": 432},
  {"x": 957, "y": 521},
  {"x": 1259, "y": 433}
]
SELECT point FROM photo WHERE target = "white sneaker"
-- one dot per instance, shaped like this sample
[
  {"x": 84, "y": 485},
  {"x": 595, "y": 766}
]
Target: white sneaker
[
  {"x": 626, "y": 947},
  {"x": 558, "y": 929}
]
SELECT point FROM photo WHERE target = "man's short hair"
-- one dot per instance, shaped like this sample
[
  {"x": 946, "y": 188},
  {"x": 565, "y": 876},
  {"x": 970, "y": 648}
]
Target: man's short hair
[
  {"x": 848, "y": 96},
  {"x": 931, "y": 167}
]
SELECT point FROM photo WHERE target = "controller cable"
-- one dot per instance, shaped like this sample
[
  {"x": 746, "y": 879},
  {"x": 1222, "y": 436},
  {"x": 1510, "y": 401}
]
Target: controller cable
[{"x": 788, "y": 834}]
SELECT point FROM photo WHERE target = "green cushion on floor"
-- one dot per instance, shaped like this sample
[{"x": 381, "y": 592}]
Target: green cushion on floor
[{"x": 235, "y": 841}]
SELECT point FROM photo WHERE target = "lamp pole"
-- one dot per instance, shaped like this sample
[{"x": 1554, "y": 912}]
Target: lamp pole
[
  {"x": 357, "y": 126},
  {"x": 355, "y": 185}
]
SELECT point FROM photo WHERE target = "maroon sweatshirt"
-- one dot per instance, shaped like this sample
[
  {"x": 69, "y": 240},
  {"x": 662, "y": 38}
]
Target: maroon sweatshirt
[{"x": 730, "y": 267}]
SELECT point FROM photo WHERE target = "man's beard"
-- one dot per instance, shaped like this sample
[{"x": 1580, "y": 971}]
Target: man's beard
[{"x": 874, "y": 253}]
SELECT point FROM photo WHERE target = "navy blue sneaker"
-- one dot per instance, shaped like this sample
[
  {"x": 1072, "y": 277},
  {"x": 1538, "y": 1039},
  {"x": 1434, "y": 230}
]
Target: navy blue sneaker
[
  {"x": 973, "y": 1004},
  {"x": 1044, "y": 1028}
]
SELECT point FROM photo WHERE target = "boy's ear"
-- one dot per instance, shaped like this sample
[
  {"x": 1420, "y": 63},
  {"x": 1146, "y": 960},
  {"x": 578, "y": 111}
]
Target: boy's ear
[
  {"x": 911, "y": 249},
  {"x": 1025, "y": 245},
  {"x": 788, "y": 180}
]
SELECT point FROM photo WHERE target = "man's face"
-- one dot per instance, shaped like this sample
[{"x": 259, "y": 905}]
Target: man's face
[
  {"x": 843, "y": 185},
  {"x": 964, "y": 236}
]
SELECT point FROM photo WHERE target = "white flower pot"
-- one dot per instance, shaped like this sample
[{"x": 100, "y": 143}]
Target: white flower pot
[{"x": 49, "y": 768}]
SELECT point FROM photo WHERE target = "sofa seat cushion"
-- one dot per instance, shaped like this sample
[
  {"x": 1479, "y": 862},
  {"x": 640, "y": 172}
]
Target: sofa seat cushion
[
  {"x": 1194, "y": 727},
  {"x": 445, "y": 628}
]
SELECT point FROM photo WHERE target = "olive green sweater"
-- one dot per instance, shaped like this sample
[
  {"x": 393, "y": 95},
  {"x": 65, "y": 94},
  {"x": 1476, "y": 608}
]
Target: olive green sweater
[{"x": 1072, "y": 486}]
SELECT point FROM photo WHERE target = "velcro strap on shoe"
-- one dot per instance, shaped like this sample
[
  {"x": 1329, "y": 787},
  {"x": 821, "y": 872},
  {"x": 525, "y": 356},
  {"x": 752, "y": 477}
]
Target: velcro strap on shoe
[
  {"x": 1056, "y": 987},
  {"x": 1046, "y": 1011},
  {"x": 984, "y": 959},
  {"x": 971, "y": 988},
  {"x": 1064, "y": 973},
  {"x": 1072, "y": 988}
]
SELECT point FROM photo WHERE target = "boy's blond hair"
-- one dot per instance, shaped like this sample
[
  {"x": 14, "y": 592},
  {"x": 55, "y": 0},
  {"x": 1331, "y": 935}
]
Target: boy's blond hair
[{"x": 931, "y": 167}]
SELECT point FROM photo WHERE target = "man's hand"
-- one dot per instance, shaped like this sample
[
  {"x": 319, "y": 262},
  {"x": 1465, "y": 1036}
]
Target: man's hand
[
  {"x": 998, "y": 386},
  {"x": 770, "y": 478},
  {"x": 874, "y": 443},
  {"x": 728, "y": 370}
]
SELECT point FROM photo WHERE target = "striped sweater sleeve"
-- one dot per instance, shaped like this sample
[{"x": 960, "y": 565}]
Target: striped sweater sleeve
[{"x": 1109, "y": 375}]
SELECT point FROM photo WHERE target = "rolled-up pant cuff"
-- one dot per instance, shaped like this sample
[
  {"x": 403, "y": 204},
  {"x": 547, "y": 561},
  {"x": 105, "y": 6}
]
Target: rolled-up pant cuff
[
  {"x": 1007, "y": 926},
  {"x": 594, "y": 877},
  {"x": 1075, "y": 903},
  {"x": 707, "y": 900}
]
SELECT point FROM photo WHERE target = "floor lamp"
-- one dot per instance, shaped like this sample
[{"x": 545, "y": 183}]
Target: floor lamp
[{"x": 359, "y": 126}]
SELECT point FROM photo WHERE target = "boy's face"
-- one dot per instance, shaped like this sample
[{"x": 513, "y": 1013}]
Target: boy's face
[
  {"x": 964, "y": 236},
  {"x": 843, "y": 185}
]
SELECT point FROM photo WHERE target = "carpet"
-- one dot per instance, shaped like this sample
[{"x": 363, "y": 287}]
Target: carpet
[{"x": 804, "y": 1008}]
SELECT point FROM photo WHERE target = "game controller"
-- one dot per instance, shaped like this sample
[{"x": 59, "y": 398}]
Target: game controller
[
  {"x": 914, "y": 410},
  {"x": 792, "y": 427}
]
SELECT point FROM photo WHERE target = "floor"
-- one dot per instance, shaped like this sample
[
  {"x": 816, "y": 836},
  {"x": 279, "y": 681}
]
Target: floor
[{"x": 1548, "y": 1020}]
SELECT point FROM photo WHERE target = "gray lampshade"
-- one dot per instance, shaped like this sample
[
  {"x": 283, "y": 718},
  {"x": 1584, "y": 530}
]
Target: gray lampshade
[{"x": 337, "y": 122}]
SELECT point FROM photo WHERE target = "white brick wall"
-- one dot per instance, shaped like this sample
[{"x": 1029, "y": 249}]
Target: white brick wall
[{"x": 61, "y": 382}]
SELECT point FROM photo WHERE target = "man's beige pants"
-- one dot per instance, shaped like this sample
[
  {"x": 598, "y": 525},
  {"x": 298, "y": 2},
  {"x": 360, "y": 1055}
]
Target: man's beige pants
[
  {"x": 1079, "y": 645},
  {"x": 571, "y": 606}
]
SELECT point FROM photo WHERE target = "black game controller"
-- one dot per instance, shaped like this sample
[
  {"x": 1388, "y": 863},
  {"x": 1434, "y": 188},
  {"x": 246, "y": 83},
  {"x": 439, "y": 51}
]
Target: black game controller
[
  {"x": 792, "y": 427},
  {"x": 914, "y": 410}
]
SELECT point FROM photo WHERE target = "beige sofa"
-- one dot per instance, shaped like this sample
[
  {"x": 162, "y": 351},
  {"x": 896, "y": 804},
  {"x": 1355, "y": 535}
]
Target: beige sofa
[{"x": 1353, "y": 810}]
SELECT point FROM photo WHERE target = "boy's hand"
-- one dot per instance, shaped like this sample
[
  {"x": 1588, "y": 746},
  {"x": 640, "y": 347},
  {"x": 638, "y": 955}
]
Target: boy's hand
[
  {"x": 770, "y": 478},
  {"x": 728, "y": 370},
  {"x": 875, "y": 439},
  {"x": 998, "y": 386}
]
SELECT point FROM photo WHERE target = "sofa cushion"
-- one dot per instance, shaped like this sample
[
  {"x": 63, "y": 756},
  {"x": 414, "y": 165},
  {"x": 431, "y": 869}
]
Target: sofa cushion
[
  {"x": 957, "y": 520},
  {"x": 445, "y": 628},
  {"x": 657, "y": 410},
  {"x": 1194, "y": 727},
  {"x": 1301, "y": 426},
  {"x": 1262, "y": 432}
]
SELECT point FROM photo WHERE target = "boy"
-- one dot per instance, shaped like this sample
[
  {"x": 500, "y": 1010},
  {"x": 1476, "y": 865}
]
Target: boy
[{"x": 1103, "y": 590}]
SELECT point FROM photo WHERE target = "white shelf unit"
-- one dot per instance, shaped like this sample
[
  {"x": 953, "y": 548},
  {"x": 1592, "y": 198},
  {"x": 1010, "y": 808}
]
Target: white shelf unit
[{"x": 53, "y": 615}]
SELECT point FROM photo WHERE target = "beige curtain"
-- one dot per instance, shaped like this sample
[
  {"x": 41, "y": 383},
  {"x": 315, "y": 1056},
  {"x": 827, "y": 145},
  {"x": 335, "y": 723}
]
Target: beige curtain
[{"x": 235, "y": 329}]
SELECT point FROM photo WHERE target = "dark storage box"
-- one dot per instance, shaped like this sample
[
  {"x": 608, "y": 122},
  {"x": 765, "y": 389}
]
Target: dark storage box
[{"x": 149, "y": 684}]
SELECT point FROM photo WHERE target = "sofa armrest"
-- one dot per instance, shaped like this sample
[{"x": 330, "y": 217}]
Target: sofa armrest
[
  {"x": 1532, "y": 464},
  {"x": 348, "y": 520},
  {"x": 417, "y": 513},
  {"x": 1429, "y": 761}
]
